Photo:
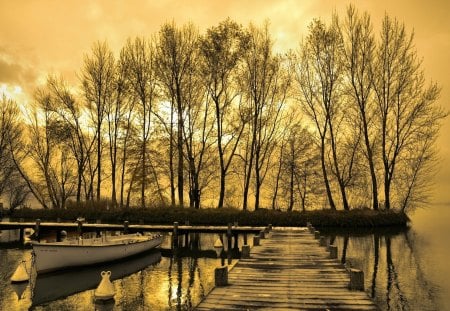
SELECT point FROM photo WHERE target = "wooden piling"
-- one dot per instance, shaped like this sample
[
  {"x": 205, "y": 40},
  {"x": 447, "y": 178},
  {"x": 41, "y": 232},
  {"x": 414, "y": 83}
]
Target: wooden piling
[
  {"x": 356, "y": 280},
  {"x": 186, "y": 235},
  {"x": 317, "y": 235},
  {"x": 245, "y": 252},
  {"x": 79, "y": 227},
  {"x": 262, "y": 235},
  {"x": 125, "y": 226},
  {"x": 256, "y": 240},
  {"x": 21, "y": 235},
  {"x": 37, "y": 229},
  {"x": 221, "y": 276},
  {"x": 229, "y": 237},
  {"x": 322, "y": 241},
  {"x": 175, "y": 234},
  {"x": 333, "y": 251}
]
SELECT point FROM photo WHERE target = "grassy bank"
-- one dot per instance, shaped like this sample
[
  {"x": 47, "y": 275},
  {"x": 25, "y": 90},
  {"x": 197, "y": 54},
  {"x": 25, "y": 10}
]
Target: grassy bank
[{"x": 358, "y": 218}]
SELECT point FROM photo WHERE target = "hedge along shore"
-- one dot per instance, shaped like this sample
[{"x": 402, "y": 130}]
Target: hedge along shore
[{"x": 356, "y": 218}]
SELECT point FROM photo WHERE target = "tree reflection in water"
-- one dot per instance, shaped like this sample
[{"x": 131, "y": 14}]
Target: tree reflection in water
[{"x": 396, "y": 280}]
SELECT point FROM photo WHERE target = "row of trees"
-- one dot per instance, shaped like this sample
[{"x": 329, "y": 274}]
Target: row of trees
[{"x": 220, "y": 117}]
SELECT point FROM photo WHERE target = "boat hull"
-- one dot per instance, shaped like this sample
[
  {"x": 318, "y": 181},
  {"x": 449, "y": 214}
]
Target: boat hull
[{"x": 57, "y": 256}]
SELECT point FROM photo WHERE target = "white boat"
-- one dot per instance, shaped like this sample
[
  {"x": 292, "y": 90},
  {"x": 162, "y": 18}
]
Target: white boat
[{"x": 73, "y": 253}]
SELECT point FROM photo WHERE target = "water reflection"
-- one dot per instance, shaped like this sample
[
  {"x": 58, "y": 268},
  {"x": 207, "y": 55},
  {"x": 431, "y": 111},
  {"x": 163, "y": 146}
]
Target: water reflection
[
  {"x": 394, "y": 275},
  {"x": 50, "y": 287}
]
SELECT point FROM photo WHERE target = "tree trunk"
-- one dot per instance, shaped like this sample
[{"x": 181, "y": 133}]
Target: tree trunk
[{"x": 325, "y": 175}]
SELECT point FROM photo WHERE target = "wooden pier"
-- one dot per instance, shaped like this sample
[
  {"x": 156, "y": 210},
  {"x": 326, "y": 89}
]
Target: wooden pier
[{"x": 288, "y": 271}]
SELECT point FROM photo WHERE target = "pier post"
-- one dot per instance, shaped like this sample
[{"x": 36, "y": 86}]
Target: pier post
[
  {"x": 333, "y": 251},
  {"x": 262, "y": 235},
  {"x": 80, "y": 227},
  {"x": 356, "y": 279},
  {"x": 186, "y": 235},
  {"x": 256, "y": 240},
  {"x": 125, "y": 226},
  {"x": 37, "y": 230},
  {"x": 175, "y": 235},
  {"x": 317, "y": 235},
  {"x": 221, "y": 276},
  {"x": 229, "y": 237},
  {"x": 245, "y": 253},
  {"x": 21, "y": 235},
  {"x": 322, "y": 241}
]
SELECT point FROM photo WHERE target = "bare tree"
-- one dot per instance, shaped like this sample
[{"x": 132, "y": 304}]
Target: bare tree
[
  {"x": 359, "y": 51},
  {"x": 11, "y": 183},
  {"x": 69, "y": 115},
  {"x": 222, "y": 48},
  {"x": 98, "y": 77},
  {"x": 265, "y": 83},
  {"x": 176, "y": 49},
  {"x": 317, "y": 78},
  {"x": 405, "y": 104},
  {"x": 140, "y": 57}
]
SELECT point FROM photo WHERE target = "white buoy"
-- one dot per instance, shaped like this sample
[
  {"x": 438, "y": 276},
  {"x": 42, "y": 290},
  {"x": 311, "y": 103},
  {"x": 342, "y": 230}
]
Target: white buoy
[
  {"x": 21, "y": 273},
  {"x": 218, "y": 243},
  {"x": 105, "y": 289}
]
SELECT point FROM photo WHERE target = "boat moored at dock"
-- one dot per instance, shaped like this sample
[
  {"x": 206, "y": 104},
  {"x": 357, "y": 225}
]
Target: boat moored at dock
[{"x": 82, "y": 252}]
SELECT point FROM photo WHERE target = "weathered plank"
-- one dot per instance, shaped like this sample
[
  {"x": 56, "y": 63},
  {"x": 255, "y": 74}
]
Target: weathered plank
[{"x": 289, "y": 271}]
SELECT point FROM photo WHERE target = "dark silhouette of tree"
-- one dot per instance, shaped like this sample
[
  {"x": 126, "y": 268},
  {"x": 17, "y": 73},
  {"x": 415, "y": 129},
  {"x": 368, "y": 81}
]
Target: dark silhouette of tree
[
  {"x": 98, "y": 76},
  {"x": 317, "y": 75},
  {"x": 176, "y": 49},
  {"x": 265, "y": 82},
  {"x": 359, "y": 53},
  {"x": 140, "y": 57},
  {"x": 405, "y": 103},
  {"x": 222, "y": 48}
]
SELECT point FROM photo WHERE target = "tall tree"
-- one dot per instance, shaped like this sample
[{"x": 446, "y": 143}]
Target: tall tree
[
  {"x": 79, "y": 140},
  {"x": 176, "y": 49},
  {"x": 265, "y": 83},
  {"x": 222, "y": 48},
  {"x": 10, "y": 136},
  {"x": 405, "y": 103},
  {"x": 317, "y": 76},
  {"x": 98, "y": 76},
  {"x": 140, "y": 57},
  {"x": 359, "y": 53}
]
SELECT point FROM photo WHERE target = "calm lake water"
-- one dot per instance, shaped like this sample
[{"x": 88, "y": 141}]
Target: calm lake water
[{"x": 404, "y": 270}]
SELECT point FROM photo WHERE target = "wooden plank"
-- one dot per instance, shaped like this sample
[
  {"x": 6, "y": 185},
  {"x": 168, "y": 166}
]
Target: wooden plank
[{"x": 289, "y": 271}]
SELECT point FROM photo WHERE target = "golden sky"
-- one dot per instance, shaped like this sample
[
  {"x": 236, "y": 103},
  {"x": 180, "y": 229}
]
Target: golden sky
[{"x": 38, "y": 37}]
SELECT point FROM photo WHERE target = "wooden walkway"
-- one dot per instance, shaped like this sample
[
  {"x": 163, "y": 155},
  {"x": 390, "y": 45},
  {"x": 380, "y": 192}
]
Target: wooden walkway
[{"x": 289, "y": 271}]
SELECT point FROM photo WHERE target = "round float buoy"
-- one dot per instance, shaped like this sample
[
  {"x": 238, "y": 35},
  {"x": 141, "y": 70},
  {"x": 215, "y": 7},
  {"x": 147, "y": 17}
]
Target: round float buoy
[
  {"x": 105, "y": 289},
  {"x": 21, "y": 273}
]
